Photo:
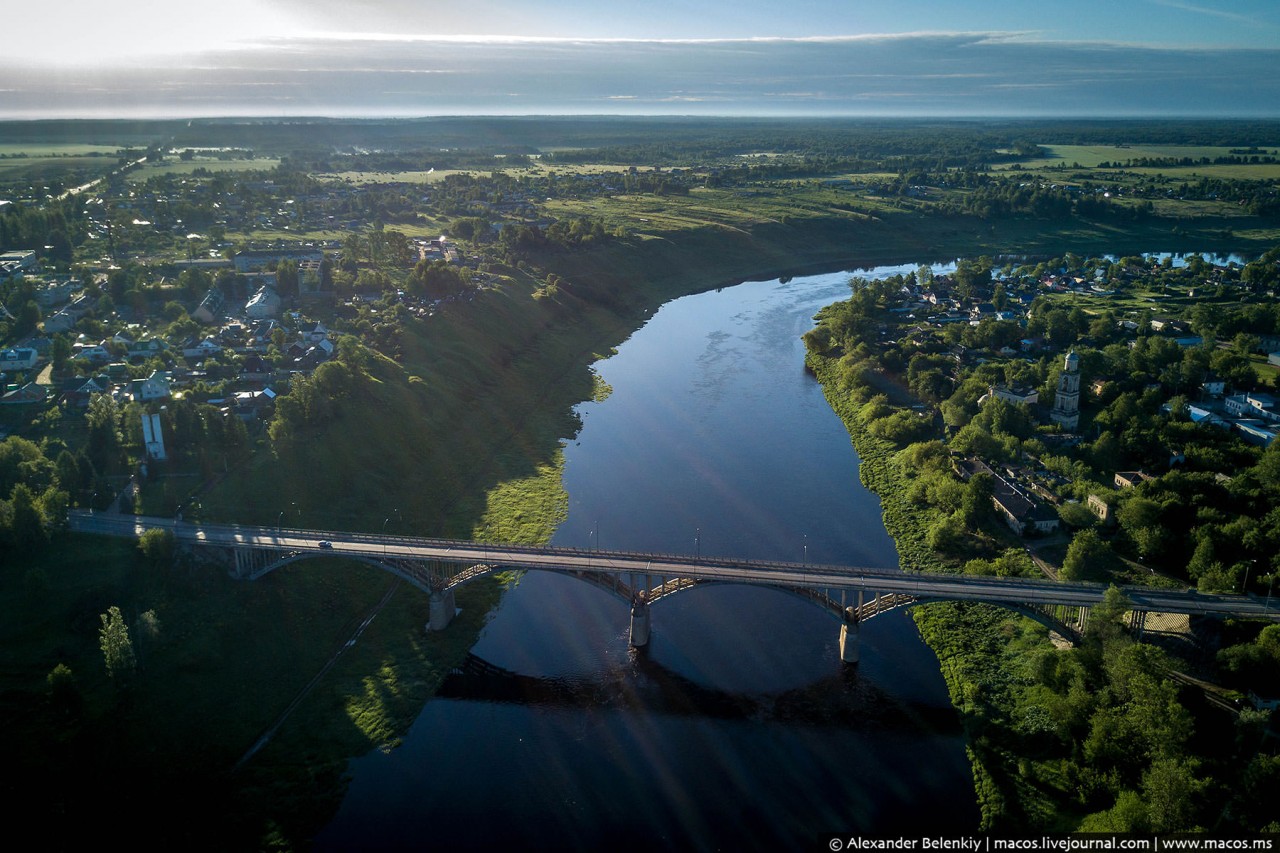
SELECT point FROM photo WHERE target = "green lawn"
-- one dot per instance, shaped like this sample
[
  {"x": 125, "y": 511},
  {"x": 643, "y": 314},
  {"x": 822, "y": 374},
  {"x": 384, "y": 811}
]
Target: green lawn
[{"x": 1267, "y": 372}]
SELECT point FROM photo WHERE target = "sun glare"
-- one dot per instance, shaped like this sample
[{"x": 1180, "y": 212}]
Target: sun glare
[{"x": 78, "y": 33}]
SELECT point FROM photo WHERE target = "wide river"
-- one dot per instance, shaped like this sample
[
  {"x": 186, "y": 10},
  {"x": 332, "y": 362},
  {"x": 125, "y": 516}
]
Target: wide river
[{"x": 738, "y": 728}]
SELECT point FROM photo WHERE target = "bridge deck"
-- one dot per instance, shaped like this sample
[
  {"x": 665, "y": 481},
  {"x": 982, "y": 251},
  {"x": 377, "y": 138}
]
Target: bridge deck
[{"x": 810, "y": 576}]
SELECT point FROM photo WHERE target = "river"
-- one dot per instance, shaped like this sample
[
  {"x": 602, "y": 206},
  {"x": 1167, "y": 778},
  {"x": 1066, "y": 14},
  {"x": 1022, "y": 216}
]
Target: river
[{"x": 738, "y": 728}]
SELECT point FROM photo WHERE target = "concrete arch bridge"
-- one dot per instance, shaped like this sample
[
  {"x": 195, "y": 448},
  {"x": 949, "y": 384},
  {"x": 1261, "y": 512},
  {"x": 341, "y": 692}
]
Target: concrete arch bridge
[{"x": 851, "y": 594}]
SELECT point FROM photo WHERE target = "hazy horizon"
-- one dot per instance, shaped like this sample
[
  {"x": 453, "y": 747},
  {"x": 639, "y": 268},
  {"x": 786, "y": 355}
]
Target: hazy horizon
[{"x": 398, "y": 58}]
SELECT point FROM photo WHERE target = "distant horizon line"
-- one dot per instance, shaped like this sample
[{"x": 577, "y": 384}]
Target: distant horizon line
[{"x": 743, "y": 116}]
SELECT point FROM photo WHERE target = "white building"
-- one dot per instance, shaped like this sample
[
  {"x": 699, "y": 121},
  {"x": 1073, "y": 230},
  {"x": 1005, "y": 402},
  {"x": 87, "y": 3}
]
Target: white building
[
  {"x": 264, "y": 305},
  {"x": 1066, "y": 403},
  {"x": 153, "y": 437}
]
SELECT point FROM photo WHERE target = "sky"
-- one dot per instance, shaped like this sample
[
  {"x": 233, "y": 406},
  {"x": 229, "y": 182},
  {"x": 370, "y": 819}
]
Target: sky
[{"x": 1048, "y": 58}]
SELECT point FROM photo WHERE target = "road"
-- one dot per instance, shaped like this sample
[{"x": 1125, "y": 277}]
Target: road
[{"x": 812, "y": 576}]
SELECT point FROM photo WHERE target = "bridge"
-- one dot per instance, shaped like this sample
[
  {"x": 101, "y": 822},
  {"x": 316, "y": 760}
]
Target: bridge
[{"x": 851, "y": 594}]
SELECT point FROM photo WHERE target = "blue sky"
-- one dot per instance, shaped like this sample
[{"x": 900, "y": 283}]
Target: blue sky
[{"x": 801, "y": 57}]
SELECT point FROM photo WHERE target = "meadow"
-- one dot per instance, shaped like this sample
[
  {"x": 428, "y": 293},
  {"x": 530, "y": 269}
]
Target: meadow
[
  {"x": 1091, "y": 156},
  {"x": 171, "y": 166}
]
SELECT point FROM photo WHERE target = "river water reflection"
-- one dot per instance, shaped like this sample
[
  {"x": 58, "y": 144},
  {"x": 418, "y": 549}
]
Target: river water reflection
[{"x": 739, "y": 727}]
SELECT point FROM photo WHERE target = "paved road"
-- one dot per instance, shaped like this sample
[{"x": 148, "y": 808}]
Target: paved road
[{"x": 951, "y": 587}]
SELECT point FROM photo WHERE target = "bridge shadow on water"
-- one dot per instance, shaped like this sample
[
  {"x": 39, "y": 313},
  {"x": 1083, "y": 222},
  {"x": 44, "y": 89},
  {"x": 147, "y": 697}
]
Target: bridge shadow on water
[{"x": 843, "y": 700}]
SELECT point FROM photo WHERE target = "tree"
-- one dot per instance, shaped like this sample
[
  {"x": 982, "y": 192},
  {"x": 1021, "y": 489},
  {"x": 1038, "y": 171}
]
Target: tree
[
  {"x": 26, "y": 527},
  {"x": 1088, "y": 557},
  {"x": 104, "y": 433},
  {"x": 60, "y": 352},
  {"x": 117, "y": 648},
  {"x": 1106, "y": 619},
  {"x": 1170, "y": 789},
  {"x": 977, "y": 498},
  {"x": 156, "y": 546},
  {"x": 947, "y": 535},
  {"x": 1076, "y": 515}
]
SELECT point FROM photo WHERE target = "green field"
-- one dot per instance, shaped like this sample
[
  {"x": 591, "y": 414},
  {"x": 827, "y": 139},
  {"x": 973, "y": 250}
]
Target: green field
[
  {"x": 1089, "y": 156},
  {"x": 36, "y": 149},
  {"x": 212, "y": 164},
  {"x": 48, "y": 168}
]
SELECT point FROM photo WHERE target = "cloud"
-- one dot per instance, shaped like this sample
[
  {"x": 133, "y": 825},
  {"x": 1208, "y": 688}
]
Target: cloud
[
  {"x": 1205, "y": 10},
  {"x": 964, "y": 73}
]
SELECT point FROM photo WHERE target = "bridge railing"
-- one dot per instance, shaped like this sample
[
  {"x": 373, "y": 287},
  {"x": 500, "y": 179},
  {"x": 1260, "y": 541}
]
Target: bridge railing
[{"x": 658, "y": 564}]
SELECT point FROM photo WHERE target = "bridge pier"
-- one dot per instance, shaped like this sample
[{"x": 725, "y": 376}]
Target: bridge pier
[
  {"x": 850, "y": 629},
  {"x": 639, "y": 623},
  {"x": 442, "y": 610}
]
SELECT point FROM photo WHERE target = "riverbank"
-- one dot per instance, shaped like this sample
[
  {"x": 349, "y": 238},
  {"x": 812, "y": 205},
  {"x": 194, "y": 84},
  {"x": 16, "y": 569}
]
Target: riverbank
[{"x": 970, "y": 641}]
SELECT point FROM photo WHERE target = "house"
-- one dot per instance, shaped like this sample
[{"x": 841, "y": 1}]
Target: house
[
  {"x": 56, "y": 291},
  {"x": 94, "y": 353},
  {"x": 23, "y": 358},
  {"x": 204, "y": 349},
  {"x": 1129, "y": 479},
  {"x": 29, "y": 393},
  {"x": 313, "y": 357},
  {"x": 147, "y": 348},
  {"x": 252, "y": 405},
  {"x": 263, "y": 305},
  {"x": 1170, "y": 325},
  {"x": 16, "y": 264},
  {"x": 980, "y": 312},
  {"x": 1021, "y": 512},
  {"x": 68, "y": 316},
  {"x": 1019, "y": 394},
  {"x": 154, "y": 387},
  {"x": 79, "y": 391},
  {"x": 1256, "y": 431},
  {"x": 1205, "y": 417},
  {"x": 1099, "y": 507},
  {"x": 254, "y": 260},
  {"x": 1255, "y": 404},
  {"x": 1213, "y": 386},
  {"x": 210, "y": 309}
]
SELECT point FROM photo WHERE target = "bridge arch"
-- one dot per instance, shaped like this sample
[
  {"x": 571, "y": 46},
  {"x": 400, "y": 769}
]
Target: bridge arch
[
  {"x": 434, "y": 582},
  {"x": 1054, "y": 618}
]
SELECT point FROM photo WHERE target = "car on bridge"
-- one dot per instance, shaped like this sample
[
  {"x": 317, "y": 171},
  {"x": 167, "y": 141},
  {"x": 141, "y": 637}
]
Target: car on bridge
[{"x": 325, "y": 543}]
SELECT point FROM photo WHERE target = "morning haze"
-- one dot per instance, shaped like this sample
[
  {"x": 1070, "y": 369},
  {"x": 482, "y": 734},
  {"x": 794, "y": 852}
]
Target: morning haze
[{"x": 1136, "y": 58}]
